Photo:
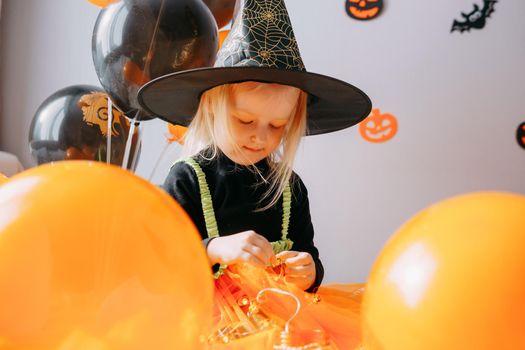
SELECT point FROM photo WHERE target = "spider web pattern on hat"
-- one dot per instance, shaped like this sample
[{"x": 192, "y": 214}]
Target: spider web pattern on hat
[{"x": 266, "y": 26}]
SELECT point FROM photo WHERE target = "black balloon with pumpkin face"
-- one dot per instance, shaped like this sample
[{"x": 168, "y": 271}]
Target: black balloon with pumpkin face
[
  {"x": 363, "y": 9},
  {"x": 520, "y": 135}
]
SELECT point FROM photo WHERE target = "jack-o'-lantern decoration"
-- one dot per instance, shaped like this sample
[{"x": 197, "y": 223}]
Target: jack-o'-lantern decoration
[
  {"x": 520, "y": 135},
  {"x": 378, "y": 127},
  {"x": 363, "y": 9},
  {"x": 95, "y": 112}
]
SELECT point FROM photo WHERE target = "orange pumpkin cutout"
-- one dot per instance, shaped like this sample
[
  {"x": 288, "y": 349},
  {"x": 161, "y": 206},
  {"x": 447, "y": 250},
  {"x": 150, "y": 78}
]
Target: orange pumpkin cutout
[
  {"x": 364, "y": 9},
  {"x": 378, "y": 127},
  {"x": 95, "y": 112}
]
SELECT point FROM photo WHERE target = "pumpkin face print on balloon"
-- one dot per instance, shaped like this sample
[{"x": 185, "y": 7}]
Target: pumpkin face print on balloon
[
  {"x": 95, "y": 112},
  {"x": 378, "y": 127},
  {"x": 363, "y": 9},
  {"x": 520, "y": 135}
]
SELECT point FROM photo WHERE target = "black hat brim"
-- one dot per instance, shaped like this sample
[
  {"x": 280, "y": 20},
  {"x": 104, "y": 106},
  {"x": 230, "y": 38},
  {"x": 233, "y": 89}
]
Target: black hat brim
[{"x": 332, "y": 104}]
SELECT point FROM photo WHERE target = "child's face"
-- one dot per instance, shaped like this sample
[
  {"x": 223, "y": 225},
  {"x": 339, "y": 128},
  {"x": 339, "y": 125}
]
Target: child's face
[{"x": 258, "y": 117}]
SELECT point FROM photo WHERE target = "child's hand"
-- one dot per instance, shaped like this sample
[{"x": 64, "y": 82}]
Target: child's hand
[
  {"x": 246, "y": 246},
  {"x": 299, "y": 268}
]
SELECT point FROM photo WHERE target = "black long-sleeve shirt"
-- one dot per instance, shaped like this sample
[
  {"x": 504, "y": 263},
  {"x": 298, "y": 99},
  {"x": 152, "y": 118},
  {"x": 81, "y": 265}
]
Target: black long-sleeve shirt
[{"x": 236, "y": 191}]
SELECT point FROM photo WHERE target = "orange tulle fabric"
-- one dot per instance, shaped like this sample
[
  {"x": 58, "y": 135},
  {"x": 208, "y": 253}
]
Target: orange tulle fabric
[{"x": 254, "y": 309}]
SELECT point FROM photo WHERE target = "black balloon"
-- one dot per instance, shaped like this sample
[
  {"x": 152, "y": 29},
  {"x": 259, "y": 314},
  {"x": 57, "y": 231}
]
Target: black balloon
[
  {"x": 73, "y": 124},
  {"x": 135, "y": 41},
  {"x": 222, "y": 10}
]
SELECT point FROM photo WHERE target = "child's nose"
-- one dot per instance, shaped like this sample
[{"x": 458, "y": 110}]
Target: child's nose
[{"x": 261, "y": 135}]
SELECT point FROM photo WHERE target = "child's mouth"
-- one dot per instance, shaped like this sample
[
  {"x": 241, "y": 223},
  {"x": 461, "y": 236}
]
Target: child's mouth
[{"x": 253, "y": 149}]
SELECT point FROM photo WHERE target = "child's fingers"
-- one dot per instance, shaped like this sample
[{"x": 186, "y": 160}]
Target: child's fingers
[
  {"x": 262, "y": 243},
  {"x": 287, "y": 254},
  {"x": 255, "y": 238},
  {"x": 259, "y": 253},
  {"x": 267, "y": 250},
  {"x": 300, "y": 259},
  {"x": 297, "y": 280},
  {"x": 302, "y": 269},
  {"x": 305, "y": 271},
  {"x": 251, "y": 259}
]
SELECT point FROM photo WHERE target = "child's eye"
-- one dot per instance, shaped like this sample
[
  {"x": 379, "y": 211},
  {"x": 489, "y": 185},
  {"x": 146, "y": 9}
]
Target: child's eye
[
  {"x": 246, "y": 122},
  {"x": 276, "y": 126}
]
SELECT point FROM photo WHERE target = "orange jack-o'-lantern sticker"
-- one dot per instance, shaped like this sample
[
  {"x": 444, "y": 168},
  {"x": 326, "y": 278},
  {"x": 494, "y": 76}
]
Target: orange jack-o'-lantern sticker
[
  {"x": 95, "y": 110},
  {"x": 520, "y": 135},
  {"x": 363, "y": 9},
  {"x": 378, "y": 127}
]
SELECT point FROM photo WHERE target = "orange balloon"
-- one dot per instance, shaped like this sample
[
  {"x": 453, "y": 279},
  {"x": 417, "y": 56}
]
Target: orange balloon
[
  {"x": 222, "y": 36},
  {"x": 103, "y": 3},
  {"x": 92, "y": 255},
  {"x": 453, "y": 277},
  {"x": 177, "y": 133}
]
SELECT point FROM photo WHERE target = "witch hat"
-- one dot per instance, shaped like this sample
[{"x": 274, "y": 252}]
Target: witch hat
[{"x": 261, "y": 47}]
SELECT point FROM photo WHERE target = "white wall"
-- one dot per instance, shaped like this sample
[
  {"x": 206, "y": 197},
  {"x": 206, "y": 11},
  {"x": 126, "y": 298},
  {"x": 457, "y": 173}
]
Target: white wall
[{"x": 458, "y": 98}]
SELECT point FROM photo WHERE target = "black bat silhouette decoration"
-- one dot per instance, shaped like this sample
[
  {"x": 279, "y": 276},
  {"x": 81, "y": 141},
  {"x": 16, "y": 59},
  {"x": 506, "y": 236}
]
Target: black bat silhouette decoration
[{"x": 475, "y": 19}]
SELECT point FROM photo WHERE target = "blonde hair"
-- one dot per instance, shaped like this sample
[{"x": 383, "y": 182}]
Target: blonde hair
[{"x": 215, "y": 103}]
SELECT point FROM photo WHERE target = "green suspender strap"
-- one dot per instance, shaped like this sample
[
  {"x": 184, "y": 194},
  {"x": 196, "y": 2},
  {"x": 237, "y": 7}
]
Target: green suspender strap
[
  {"x": 206, "y": 201},
  {"x": 207, "y": 206},
  {"x": 284, "y": 243},
  {"x": 211, "y": 223}
]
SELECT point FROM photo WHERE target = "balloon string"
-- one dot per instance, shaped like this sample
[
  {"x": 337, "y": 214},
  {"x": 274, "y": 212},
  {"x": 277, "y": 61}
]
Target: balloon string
[
  {"x": 137, "y": 149},
  {"x": 149, "y": 56},
  {"x": 110, "y": 128},
  {"x": 130, "y": 139},
  {"x": 161, "y": 156}
]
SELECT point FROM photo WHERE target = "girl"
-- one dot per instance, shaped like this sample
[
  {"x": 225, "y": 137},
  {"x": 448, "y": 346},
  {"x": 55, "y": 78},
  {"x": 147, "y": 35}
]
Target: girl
[
  {"x": 236, "y": 143},
  {"x": 246, "y": 116}
]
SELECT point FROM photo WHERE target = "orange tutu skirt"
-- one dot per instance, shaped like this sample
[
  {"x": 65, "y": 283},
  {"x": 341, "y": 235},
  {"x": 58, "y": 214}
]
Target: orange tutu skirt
[{"x": 257, "y": 309}]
